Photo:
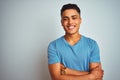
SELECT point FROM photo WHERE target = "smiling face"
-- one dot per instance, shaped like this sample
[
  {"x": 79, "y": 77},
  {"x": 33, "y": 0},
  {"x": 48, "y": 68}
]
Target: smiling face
[{"x": 71, "y": 20}]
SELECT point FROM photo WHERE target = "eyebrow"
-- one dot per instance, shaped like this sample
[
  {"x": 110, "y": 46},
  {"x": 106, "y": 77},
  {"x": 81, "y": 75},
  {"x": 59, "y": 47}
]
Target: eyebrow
[
  {"x": 71, "y": 16},
  {"x": 65, "y": 17},
  {"x": 74, "y": 16}
]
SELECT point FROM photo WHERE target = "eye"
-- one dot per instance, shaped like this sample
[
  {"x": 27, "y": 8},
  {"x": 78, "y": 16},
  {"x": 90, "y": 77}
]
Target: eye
[
  {"x": 65, "y": 19},
  {"x": 74, "y": 17}
]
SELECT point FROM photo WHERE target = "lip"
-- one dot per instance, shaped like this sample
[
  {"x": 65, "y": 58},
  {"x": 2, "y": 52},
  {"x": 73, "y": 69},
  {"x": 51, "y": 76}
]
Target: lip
[{"x": 71, "y": 27}]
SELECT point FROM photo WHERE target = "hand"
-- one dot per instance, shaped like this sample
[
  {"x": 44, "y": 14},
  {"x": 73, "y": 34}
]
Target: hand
[
  {"x": 63, "y": 72},
  {"x": 97, "y": 73},
  {"x": 62, "y": 66}
]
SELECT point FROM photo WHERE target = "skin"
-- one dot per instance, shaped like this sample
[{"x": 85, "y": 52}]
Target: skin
[{"x": 71, "y": 20}]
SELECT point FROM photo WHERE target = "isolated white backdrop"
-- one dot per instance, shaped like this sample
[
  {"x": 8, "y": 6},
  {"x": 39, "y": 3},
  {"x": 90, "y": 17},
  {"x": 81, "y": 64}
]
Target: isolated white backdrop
[{"x": 27, "y": 27}]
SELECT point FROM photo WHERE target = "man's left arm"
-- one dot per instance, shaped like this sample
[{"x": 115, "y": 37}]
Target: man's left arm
[{"x": 96, "y": 67}]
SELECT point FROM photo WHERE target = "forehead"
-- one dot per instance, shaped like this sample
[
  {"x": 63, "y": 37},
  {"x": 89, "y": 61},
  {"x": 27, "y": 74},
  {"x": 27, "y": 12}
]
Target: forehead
[{"x": 70, "y": 12}]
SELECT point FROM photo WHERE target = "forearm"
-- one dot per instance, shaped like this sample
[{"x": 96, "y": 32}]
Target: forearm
[
  {"x": 100, "y": 79},
  {"x": 87, "y": 76},
  {"x": 82, "y": 74},
  {"x": 70, "y": 74},
  {"x": 72, "y": 77},
  {"x": 69, "y": 71}
]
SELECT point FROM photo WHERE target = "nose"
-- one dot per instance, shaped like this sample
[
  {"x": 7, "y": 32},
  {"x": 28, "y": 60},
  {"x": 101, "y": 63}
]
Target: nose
[{"x": 70, "y": 21}]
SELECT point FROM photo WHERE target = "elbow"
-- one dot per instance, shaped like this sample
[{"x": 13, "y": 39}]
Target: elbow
[{"x": 58, "y": 77}]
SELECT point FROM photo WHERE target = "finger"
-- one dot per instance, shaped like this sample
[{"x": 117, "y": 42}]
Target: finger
[{"x": 62, "y": 66}]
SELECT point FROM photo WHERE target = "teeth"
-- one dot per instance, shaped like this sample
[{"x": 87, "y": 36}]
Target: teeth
[{"x": 71, "y": 27}]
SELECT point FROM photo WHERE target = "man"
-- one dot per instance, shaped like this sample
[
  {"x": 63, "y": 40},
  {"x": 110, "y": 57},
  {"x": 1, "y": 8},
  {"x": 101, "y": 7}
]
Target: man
[{"x": 73, "y": 56}]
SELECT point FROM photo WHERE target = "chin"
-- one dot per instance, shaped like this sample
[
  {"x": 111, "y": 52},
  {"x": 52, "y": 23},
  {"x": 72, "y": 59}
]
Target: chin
[{"x": 71, "y": 33}]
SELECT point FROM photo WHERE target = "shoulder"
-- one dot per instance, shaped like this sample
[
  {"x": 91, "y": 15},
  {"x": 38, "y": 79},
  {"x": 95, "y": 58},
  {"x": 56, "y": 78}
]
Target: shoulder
[
  {"x": 90, "y": 42},
  {"x": 55, "y": 42}
]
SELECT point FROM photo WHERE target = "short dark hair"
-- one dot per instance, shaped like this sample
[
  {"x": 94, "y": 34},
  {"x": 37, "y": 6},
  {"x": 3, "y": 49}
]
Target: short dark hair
[{"x": 70, "y": 6}]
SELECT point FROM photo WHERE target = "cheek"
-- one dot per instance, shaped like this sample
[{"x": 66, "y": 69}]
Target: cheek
[
  {"x": 64, "y": 24},
  {"x": 78, "y": 23}
]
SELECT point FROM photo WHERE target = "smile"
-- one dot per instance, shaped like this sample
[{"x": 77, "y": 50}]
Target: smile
[{"x": 71, "y": 27}]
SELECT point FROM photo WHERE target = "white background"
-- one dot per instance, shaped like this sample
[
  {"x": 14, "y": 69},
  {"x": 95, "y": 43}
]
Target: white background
[{"x": 27, "y": 27}]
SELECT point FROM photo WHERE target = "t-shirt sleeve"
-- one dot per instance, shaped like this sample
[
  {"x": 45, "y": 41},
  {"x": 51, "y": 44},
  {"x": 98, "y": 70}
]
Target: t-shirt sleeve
[
  {"x": 52, "y": 54},
  {"x": 95, "y": 53}
]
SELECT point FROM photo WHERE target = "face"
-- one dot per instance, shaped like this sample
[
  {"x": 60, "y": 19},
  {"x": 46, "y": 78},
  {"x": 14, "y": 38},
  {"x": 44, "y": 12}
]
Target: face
[{"x": 71, "y": 20}]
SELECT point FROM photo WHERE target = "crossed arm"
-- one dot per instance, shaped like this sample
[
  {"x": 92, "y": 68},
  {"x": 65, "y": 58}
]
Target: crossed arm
[{"x": 96, "y": 72}]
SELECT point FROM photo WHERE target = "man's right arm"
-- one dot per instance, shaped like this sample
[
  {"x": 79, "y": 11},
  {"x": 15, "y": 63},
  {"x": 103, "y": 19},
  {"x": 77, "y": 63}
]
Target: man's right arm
[{"x": 55, "y": 71}]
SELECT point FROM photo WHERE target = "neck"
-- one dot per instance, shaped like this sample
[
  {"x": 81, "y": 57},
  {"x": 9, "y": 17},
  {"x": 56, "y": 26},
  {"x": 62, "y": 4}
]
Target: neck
[
  {"x": 72, "y": 36},
  {"x": 72, "y": 39}
]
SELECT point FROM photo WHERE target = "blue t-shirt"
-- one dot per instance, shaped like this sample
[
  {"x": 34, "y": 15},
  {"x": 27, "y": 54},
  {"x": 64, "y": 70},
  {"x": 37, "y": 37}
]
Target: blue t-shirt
[{"x": 77, "y": 57}]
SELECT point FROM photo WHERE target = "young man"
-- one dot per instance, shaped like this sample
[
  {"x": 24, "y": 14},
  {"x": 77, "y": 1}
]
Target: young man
[{"x": 73, "y": 56}]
